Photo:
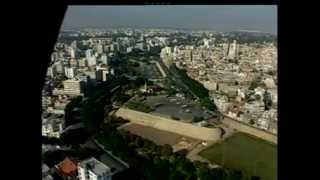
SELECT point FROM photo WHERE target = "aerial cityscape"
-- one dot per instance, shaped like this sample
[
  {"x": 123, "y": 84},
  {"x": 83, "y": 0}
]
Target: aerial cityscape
[{"x": 157, "y": 101}]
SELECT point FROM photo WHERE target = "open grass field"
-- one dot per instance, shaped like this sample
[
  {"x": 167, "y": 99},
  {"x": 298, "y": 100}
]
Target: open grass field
[{"x": 247, "y": 153}]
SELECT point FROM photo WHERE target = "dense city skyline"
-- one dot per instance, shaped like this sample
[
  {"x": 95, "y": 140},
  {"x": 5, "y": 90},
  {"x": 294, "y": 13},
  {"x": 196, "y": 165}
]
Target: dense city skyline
[
  {"x": 146, "y": 102},
  {"x": 218, "y": 18}
]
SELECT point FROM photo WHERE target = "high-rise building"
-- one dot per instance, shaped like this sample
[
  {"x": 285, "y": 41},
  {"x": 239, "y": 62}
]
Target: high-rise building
[
  {"x": 91, "y": 61},
  {"x": 112, "y": 48},
  {"x": 104, "y": 59},
  {"x": 58, "y": 67},
  {"x": 129, "y": 49},
  {"x": 72, "y": 87},
  {"x": 69, "y": 72},
  {"x": 74, "y": 45},
  {"x": 166, "y": 51},
  {"x": 50, "y": 72},
  {"x": 232, "y": 52},
  {"x": 92, "y": 169},
  {"x": 99, "y": 49},
  {"x": 206, "y": 42},
  {"x": 102, "y": 72},
  {"x": 166, "y": 56},
  {"x": 71, "y": 52},
  {"x": 89, "y": 53},
  {"x": 54, "y": 56}
]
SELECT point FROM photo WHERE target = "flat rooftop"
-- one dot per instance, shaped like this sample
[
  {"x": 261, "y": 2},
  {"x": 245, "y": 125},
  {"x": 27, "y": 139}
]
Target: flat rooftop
[{"x": 95, "y": 166}]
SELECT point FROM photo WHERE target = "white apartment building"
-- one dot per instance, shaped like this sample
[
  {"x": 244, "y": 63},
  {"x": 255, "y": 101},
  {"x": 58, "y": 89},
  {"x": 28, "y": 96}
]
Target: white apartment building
[
  {"x": 71, "y": 52},
  {"x": 72, "y": 87},
  {"x": 52, "y": 126},
  {"x": 165, "y": 52},
  {"x": 91, "y": 61},
  {"x": 92, "y": 169},
  {"x": 50, "y": 72},
  {"x": 46, "y": 173},
  {"x": 89, "y": 53},
  {"x": 58, "y": 67},
  {"x": 232, "y": 53},
  {"x": 99, "y": 48},
  {"x": 69, "y": 72},
  {"x": 104, "y": 59},
  {"x": 129, "y": 49}
]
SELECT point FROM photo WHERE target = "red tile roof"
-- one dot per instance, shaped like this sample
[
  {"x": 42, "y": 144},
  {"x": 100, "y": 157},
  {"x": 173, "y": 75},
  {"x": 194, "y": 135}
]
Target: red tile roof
[{"x": 67, "y": 167}]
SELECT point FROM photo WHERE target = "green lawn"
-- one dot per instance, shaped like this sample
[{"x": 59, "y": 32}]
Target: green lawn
[{"x": 247, "y": 153}]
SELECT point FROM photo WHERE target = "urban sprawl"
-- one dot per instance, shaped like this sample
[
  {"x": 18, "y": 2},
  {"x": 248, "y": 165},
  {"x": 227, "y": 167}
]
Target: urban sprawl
[{"x": 162, "y": 93}]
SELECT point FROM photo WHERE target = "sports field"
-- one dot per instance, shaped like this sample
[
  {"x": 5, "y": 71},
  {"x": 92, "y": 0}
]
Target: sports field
[{"x": 247, "y": 153}]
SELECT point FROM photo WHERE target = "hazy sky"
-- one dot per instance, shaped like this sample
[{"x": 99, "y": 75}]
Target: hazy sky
[{"x": 218, "y": 18}]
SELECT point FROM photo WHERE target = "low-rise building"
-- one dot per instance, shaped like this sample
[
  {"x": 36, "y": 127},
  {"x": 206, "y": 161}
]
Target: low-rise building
[
  {"x": 46, "y": 172},
  {"x": 67, "y": 169},
  {"x": 52, "y": 125},
  {"x": 92, "y": 169}
]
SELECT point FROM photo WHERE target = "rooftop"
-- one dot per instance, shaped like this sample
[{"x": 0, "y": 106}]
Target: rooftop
[
  {"x": 95, "y": 166},
  {"x": 67, "y": 167}
]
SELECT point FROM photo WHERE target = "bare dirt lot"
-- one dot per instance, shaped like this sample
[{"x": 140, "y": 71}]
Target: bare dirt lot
[
  {"x": 161, "y": 137},
  {"x": 168, "y": 125}
]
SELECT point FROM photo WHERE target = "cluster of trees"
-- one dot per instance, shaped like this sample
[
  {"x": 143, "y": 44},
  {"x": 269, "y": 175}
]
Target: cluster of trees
[
  {"x": 196, "y": 87},
  {"x": 157, "y": 162},
  {"x": 208, "y": 103},
  {"x": 197, "y": 119},
  {"x": 119, "y": 97},
  {"x": 245, "y": 37},
  {"x": 98, "y": 103},
  {"x": 72, "y": 116}
]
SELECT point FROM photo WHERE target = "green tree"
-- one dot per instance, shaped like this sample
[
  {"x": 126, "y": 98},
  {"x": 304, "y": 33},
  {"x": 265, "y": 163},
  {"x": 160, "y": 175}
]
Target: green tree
[
  {"x": 204, "y": 173},
  {"x": 209, "y": 104},
  {"x": 166, "y": 150},
  {"x": 70, "y": 113},
  {"x": 255, "y": 178},
  {"x": 197, "y": 118}
]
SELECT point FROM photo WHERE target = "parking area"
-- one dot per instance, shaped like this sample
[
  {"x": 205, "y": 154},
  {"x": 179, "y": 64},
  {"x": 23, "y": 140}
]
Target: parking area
[
  {"x": 177, "y": 108},
  {"x": 148, "y": 70}
]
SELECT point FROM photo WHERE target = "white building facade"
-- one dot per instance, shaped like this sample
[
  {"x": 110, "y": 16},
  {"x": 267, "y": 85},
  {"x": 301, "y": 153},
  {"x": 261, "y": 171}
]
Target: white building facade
[{"x": 92, "y": 169}]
